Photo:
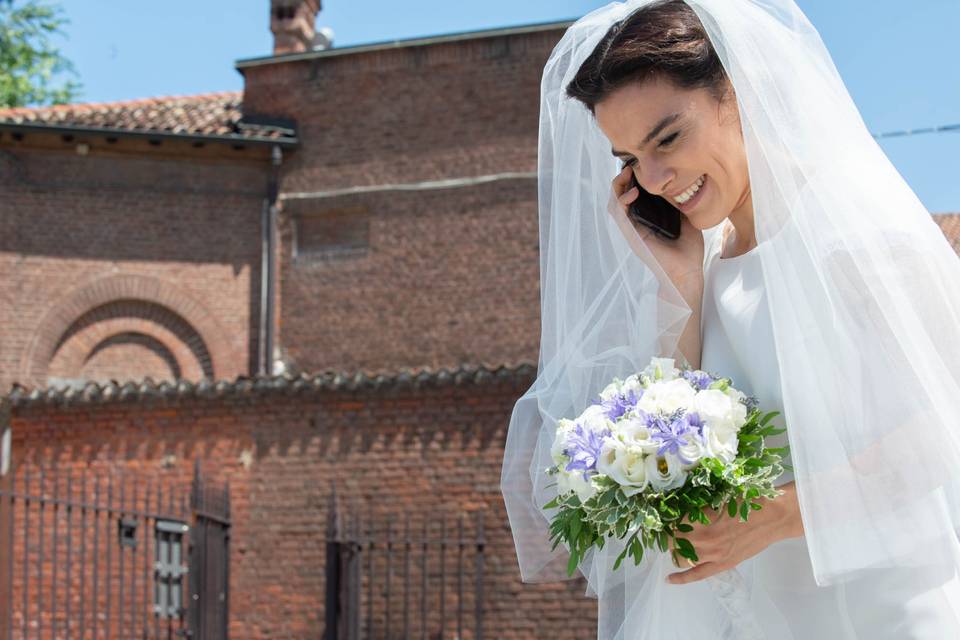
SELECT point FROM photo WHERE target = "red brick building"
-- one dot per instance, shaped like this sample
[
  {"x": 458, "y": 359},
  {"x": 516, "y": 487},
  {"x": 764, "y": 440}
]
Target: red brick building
[{"x": 332, "y": 275}]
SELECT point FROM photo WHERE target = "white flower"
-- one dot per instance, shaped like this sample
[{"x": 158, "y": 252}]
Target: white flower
[
  {"x": 695, "y": 449},
  {"x": 573, "y": 481},
  {"x": 665, "y": 472},
  {"x": 667, "y": 370},
  {"x": 667, "y": 397},
  {"x": 649, "y": 402},
  {"x": 721, "y": 443},
  {"x": 633, "y": 432},
  {"x": 624, "y": 464},
  {"x": 595, "y": 418},
  {"x": 632, "y": 383},
  {"x": 564, "y": 426},
  {"x": 611, "y": 390},
  {"x": 739, "y": 410},
  {"x": 675, "y": 394},
  {"x": 716, "y": 409}
]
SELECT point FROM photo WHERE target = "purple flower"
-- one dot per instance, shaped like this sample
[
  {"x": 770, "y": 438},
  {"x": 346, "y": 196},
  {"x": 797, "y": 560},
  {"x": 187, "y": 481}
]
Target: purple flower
[
  {"x": 695, "y": 422},
  {"x": 698, "y": 379},
  {"x": 583, "y": 448},
  {"x": 670, "y": 431},
  {"x": 620, "y": 403}
]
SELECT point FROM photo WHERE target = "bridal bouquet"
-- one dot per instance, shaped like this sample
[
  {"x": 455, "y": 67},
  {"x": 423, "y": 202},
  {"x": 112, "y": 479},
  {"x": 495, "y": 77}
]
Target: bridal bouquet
[{"x": 654, "y": 451}]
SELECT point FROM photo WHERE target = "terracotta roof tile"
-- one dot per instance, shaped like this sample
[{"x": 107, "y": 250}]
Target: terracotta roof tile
[
  {"x": 147, "y": 389},
  {"x": 950, "y": 225},
  {"x": 210, "y": 114}
]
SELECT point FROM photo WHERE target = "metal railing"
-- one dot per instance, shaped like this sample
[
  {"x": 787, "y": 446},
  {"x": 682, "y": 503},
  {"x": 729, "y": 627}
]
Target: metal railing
[
  {"x": 99, "y": 555},
  {"x": 361, "y": 580}
]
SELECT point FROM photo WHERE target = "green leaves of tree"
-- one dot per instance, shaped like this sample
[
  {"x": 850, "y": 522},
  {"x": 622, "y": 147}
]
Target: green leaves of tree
[{"x": 30, "y": 63}]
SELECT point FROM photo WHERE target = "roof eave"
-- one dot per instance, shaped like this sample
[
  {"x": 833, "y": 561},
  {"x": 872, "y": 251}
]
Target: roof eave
[
  {"x": 246, "y": 63},
  {"x": 24, "y": 127}
]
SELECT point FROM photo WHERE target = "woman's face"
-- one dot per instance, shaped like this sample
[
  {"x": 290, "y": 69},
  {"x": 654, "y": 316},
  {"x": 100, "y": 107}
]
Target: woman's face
[{"x": 701, "y": 139}]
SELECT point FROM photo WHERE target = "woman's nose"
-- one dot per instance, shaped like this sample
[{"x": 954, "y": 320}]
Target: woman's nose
[{"x": 655, "y": 180}]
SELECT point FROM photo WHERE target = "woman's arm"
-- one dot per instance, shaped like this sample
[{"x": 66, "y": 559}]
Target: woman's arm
[{"x": 788, "y": 508}]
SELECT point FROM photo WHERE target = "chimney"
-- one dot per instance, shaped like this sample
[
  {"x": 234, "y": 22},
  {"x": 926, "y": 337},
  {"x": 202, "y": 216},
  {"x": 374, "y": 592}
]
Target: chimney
[{"x": 293, "y": 23}]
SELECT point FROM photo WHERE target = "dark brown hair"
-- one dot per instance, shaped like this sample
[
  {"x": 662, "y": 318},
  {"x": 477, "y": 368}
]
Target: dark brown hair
[{"x": 663, "y": 38}]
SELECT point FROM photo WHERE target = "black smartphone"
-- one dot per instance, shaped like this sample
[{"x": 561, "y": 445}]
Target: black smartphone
[{"x": 655, "y": 212}]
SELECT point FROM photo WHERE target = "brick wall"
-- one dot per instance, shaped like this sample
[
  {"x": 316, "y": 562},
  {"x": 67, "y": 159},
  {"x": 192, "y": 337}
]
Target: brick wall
[
  {"x": 126, "y": 263},
  {"x": 395, "y": 450},
  {"x": 443, "y": 278},
  {"x": 431, "y": 277}
]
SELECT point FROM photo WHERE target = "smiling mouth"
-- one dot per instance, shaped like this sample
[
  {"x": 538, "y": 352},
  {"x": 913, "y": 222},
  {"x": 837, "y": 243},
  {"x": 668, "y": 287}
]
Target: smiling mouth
[{"x": 692, "y": 201}]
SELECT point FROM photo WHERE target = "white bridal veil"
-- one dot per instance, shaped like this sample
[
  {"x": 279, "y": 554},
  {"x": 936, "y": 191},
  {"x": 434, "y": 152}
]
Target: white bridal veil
[{"x": 864, "y": 297}]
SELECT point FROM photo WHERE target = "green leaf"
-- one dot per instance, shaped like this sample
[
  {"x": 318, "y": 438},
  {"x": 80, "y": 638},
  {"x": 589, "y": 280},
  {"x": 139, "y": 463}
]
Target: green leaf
[
  {"x": 732, "y": 508},
  {"x": 28, "y": 59},
  {"x": 620, "y": 558},
  {"x": 572, "y": 563},
  {"x": 744, "y": 510},
  {"x": 686, "y": 549},
  {"x": 767, "y": 417}
]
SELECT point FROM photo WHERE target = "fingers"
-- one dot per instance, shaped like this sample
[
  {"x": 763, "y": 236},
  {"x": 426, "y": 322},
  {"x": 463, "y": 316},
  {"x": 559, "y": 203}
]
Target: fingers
[
  {"x": 699, "y": 572},
  {"x": 622, "y": 187},
  {"x": 628, "y": 196}
]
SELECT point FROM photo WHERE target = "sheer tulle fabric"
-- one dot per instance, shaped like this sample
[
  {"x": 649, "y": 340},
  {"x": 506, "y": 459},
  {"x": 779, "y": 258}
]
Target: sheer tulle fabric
[{"x": 864, "y": 300}]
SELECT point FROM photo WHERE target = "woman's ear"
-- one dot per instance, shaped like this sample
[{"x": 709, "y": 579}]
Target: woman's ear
[{"x": 727, "y": 108}]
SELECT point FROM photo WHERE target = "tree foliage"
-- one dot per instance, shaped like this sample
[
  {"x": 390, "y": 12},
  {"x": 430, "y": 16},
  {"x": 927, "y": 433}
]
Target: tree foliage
[{"x": 33, "y": 72}]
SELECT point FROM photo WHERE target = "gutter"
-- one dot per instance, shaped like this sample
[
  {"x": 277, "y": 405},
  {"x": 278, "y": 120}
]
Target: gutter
[
  {"x": 291, "y": 141},
  {"x": 268, "y": 266}
]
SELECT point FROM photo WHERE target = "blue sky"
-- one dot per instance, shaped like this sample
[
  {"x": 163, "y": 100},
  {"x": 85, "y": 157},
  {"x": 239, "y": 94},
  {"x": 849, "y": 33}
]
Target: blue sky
[{"x": 896, "y": 58}]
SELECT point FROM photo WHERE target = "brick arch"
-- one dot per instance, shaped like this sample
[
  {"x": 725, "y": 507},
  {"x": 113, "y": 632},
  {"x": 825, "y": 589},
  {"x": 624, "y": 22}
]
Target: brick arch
[
  {"x": 147, "y": 342},
  {"x": 108, "y": 295},
  {"x": 156, "y": 343}
]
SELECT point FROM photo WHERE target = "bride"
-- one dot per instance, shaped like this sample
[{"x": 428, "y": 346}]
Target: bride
[{"x": 805, "y": 269}]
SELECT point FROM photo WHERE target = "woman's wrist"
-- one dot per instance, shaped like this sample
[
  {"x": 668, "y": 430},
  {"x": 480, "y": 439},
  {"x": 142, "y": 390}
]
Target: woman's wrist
[{"x": 787, "y": 507}]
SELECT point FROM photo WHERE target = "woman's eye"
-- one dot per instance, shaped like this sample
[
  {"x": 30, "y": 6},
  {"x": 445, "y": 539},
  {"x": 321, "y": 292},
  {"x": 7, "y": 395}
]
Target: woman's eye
[{"x": 666, "y": 141}]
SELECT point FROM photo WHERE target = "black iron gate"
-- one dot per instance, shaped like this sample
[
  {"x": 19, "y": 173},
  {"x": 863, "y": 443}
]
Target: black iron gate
[
  {"x": 365, "y": 592},
  {"x": 112, "y": 555},
  {"x": 210, "y": 560}
]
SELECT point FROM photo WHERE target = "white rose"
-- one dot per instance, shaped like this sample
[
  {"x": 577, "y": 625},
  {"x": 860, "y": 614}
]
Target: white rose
[
  {"x": 649, "y": 402},
  {"x": 715, "y": 408},
  {"x": 564, "y": 426},
  {"x": 667, "y": 370},
  {"x": 611, "y": 390},
  {"x": 721, "y": 443},
  {"x": 738, "y": 409},
  {"x": 665, "y": 472},
  {"x": 695, "y": 449},
  {"x": 573, "y": 481},
  {"x": 632, "y": 383},
  {"x": 634, "y": 433},
  {"x": 675, "y": 394},
  {"x": 624, "y": 464},
  {"x": 595, "y": 418}
]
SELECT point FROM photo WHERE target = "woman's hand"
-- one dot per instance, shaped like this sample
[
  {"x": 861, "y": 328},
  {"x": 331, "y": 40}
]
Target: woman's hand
[
  {"x": 726, "y": 541},
  {"x": 681, "y": 259}
]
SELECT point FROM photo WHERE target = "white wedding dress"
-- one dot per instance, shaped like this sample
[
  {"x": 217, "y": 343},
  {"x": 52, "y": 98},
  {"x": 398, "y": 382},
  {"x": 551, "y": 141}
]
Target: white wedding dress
[{"x": 737, "y": 342}]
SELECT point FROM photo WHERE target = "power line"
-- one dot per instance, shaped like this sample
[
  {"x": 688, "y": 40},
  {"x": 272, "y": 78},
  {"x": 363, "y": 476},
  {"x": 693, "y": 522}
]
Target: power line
[{"x": 912, "y": 132}]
